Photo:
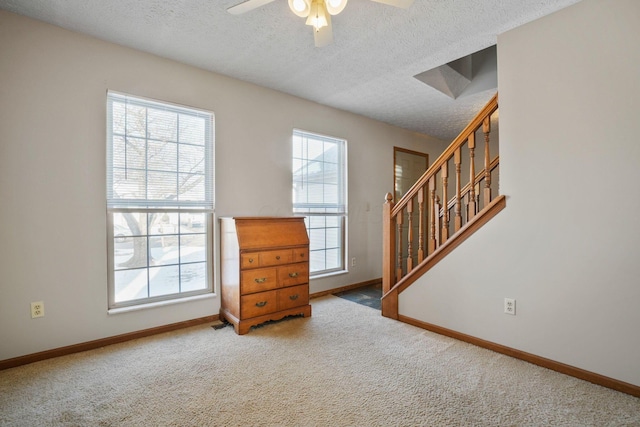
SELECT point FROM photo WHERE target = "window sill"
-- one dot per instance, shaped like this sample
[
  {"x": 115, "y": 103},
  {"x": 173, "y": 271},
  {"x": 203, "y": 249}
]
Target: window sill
[{"x": 160, "y": 304}]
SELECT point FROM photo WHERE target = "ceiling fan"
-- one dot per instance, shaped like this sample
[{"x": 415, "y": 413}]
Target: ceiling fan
[{"x": 317, "y": 12}]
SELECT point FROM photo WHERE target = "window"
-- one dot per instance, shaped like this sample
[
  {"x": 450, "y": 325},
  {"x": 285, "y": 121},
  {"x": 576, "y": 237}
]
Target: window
[
  {"x": 319, "y": 193},
  {"x": 160, "y": 163}
]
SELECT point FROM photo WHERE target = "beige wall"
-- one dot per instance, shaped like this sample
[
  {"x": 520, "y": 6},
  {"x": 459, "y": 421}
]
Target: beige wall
[
  {"x": 53, "y": 85},
  {"x": 566, "y": 246}
]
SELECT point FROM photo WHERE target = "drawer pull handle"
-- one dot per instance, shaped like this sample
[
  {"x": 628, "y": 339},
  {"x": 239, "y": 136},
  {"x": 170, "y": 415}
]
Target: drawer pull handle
[
  {"x": 292, "y": 275},
  {"x": 293, "y": 297},
  {"x": 261, "y": 304},
  {"x": 278, "y": 257},
  {"x": 260, "y": 279},
  {"x": 250, "y": 260}
]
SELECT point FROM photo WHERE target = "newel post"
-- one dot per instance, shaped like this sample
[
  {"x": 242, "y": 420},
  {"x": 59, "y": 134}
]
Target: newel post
[
  {"x": 389, "y": 301},
  {"x": 388, "y": 244}
]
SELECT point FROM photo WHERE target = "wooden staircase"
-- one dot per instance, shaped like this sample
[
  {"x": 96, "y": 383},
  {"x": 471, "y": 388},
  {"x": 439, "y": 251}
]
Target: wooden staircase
[{"x": 440, "y": 221}]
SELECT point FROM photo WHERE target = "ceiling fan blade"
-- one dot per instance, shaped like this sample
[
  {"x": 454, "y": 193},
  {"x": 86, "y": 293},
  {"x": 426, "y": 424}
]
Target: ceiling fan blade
[
  {"x": 246, "y": 6},
  {"x": 324, "y": 36},
  {"x": 397, "y": 3}
]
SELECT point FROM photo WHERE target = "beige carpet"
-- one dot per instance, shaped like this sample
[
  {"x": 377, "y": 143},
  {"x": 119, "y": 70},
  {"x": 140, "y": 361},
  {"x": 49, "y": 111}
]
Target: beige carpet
[{"x": 344, "y": 366}]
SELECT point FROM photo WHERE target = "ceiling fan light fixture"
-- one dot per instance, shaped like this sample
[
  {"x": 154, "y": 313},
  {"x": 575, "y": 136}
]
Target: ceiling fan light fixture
[
  {"x": 300, "y": 7},
  {"x": 318, "y": 15},
  {"x": 334, "y": 7}
]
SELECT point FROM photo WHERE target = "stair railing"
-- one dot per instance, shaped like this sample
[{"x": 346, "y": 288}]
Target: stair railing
[{"x": 438, "y": 209}]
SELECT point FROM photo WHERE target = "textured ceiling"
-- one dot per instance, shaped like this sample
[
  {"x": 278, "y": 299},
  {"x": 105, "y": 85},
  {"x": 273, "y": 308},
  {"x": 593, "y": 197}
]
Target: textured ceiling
[{"x": 368, "y": 69}]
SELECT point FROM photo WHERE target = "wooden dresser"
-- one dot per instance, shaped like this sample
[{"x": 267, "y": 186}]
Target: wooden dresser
[{"x": 264, "y": 270}]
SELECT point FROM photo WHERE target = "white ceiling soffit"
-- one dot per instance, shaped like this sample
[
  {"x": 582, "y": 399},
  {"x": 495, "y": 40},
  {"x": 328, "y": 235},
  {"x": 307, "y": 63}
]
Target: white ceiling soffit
[
  {"x": 469, "y": 75},
  {"x": 369, "y": 69}
]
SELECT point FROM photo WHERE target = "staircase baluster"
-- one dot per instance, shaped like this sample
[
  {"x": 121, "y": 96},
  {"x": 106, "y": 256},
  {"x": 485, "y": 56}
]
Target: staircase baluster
[
  {"x": 445, "y": 204},
  {"x": 421, "y": 225},
  {"x": 399, "y": 247},
  {"x": 486, "y": 128},
  {"x": 458, "y": 205},
  {"x": 432, "y": 215},
  {"x": 436, "y": 211},
  {"x": 410, "y": 236},
  {"x": 471, "y": 206}
]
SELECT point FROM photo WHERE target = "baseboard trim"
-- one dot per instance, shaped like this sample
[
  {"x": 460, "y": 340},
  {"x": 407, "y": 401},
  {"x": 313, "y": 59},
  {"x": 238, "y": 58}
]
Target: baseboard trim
[
  {"x": 91, "y": 345},
  {"x": 346, "y": 288},
  {"x": 528, "y": 357}
]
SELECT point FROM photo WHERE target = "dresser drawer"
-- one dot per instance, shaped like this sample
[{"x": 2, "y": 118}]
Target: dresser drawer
[
  {"x": 254, "y": 305},
  {"x": 258, "y": 280},
  {"x": 284, "y": 256},
  {"x": 293, "y": 274},
  {"x": 266, "y": 258},
  {"x": 300, "y": 254},
  {"x": 250, "y": 260},
  {"x": 293, "y": 296}
]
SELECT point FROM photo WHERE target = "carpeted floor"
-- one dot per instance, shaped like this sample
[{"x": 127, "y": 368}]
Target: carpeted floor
[{"x": 344, "y": 366}]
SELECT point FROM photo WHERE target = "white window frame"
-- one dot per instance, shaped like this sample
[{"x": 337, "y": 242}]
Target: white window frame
[
  {"x": 318, "y": 211},
  {"x": 199, "y": 207}
]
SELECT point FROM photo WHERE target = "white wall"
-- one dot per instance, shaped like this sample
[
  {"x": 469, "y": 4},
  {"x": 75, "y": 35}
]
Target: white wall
[
  {"x": 566, "y": 246},
  {"x": 53, "y": 86}
]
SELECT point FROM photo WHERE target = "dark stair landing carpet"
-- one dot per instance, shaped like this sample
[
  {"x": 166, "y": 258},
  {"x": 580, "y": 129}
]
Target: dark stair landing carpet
[{"x": 366, "y": 295}]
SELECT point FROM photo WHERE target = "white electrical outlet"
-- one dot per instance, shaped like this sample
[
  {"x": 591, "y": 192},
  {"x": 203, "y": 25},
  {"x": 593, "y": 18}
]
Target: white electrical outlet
[
  {"x": 353, "y": 262},
  {"x": 510, "y": 306},
  {"x": 37, "y": 309}
]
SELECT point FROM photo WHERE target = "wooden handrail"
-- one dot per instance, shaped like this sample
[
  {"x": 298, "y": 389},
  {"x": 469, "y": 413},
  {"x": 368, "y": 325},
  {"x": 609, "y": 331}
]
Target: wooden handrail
[
  {"x": 441, "y": 223},
  {"x": 477, "y": 121}
]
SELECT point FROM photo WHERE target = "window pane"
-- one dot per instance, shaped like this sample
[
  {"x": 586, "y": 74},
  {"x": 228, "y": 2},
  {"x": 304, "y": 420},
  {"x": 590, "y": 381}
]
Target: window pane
[
  {"x": 192, "y": 222},
  {"x": 193, "y": 277},
  {"x": 118, "y": 118},
  {"x": 136, "y": 120},
  {"x": 130, "y": 285},
  {"x": 164, "y": 280},
  {"x": 163, "y": 250},
  {"x": 192, "y": 129},
  {"x": 193, "y": 248},
  {"x": 316, "y": 221},
  {"x": 119, "y": 152},
  {"x": 333, "y": 238},
  {"x": 316, "y": 239},
  {"x": 135, "y": 154},
  {"x": 316, "y": 259},
  {"x": 129, "y": 252},
  {"x": 162, "y": 125},
  {"x": 192, "y": 187},
  {"x": 333, "y": 259},
  {"x": 192, "y": 159},
  {"x": 128, "y": 184},
  {"x": 315, "y": 149},
  {"x": 129, "y": 224},
  {"x": 333, "y": 221},
  {"x": 163, "y": 223},
  {"x": 162, "y": 186},
  {"x": 162, "y": 156}
]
